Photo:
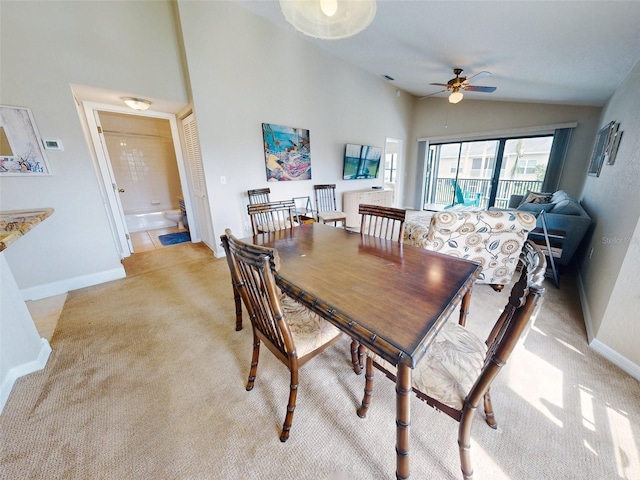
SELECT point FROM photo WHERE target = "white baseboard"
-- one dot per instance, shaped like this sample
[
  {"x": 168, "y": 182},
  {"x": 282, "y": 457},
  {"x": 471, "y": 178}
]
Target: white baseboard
[
  {"x": 607, "y": 352},
  {"x": 614, "y": 357},
  {"x": 22, "y": 370},
  {"x": 64, "y": 286}
]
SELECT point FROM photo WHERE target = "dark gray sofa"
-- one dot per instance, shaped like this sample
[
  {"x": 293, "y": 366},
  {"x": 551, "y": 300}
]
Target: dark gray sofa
[{"x": 562, "y": 212}]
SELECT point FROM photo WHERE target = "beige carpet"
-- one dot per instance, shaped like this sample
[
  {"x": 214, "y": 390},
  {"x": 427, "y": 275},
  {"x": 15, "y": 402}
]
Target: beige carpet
[{"x": 146, "y": 381}]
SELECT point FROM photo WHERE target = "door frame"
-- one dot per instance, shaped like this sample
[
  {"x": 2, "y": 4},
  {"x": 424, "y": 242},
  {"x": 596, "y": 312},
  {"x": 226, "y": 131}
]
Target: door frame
[
  {"x": 398, "y": 184},
  {"x": 105, "y": 173}
]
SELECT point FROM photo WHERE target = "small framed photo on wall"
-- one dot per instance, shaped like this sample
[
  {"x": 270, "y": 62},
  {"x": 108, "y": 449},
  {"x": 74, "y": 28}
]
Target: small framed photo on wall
[{"x": 21, "y": 153}]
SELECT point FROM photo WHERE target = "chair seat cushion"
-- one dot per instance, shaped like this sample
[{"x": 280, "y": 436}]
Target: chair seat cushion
[
  {"x": 274, "y": 227},
  {"x": 450, "y": 366},
  {"x": 308, "y": 329},
  {"x": 328, "y": 216}
]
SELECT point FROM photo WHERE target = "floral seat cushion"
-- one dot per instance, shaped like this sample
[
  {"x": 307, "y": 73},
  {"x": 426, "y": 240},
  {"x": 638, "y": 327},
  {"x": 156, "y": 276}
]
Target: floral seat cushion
[
  {"x": 450, "y": 366},
  {"x": 308, "y": 329},
  {"x": 493, "y": 239}
]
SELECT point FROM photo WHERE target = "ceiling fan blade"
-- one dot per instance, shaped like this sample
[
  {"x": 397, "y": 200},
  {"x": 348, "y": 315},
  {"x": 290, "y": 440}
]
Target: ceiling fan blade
[
  {"x": 478, "y": 76},
  {"x": 432, "y": 94},
  {"x": 439, "y": 84},
  {"x": 475, "y": 88}
]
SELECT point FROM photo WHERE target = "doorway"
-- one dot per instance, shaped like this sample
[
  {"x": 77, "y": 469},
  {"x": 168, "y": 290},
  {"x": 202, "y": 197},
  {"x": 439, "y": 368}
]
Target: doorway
[
  {"x": 141, "y": 166},
  {"x": 392, "y": 167}
]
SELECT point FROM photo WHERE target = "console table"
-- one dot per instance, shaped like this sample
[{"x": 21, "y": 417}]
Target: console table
[{"x": 371, "y": 196}]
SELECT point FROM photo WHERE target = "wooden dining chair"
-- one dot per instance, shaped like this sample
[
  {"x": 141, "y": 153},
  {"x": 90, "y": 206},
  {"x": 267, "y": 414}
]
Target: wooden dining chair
[
  {"x": 458, "y": 368},
  {"x": 272, "y": 216},
  {"x": 259, "y": 195},
  {"x": 293, "y": 333},
  {"x": 326, "y": 207},
  {"x": 381, "y": 222}
]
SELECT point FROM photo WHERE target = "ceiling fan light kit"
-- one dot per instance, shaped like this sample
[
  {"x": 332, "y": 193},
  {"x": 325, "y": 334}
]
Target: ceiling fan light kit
[
  {"x": 457, "y": 84},
  {"x": 329, "y": 19},
  {"x": 456, "y": 96}
]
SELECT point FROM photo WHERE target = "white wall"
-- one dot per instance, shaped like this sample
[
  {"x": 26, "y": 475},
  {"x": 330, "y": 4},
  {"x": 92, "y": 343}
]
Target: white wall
[
  {"x": 46, "y": 46},
  {"x": 609, "y": 277},
  {"x": 436, "y": 117},
  {"x": 244, "y": 71}
]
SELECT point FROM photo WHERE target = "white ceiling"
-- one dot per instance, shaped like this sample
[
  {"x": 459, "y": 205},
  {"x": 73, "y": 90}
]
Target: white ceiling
[{"x": 564, "y": 52}]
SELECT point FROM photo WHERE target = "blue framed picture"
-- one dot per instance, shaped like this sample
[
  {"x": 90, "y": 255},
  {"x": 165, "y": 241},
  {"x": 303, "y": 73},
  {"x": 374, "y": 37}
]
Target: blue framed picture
[{"x": 287, "y": 153}]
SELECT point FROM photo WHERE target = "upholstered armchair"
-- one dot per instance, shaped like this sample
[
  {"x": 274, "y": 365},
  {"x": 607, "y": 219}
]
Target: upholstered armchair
[{"x": 492, "y": 239}]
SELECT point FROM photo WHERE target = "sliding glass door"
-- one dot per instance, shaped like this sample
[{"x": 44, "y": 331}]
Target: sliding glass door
[{"x": 485, "y": 173}]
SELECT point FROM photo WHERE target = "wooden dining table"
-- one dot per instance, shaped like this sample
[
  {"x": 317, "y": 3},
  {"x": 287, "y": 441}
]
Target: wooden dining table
[{"x": 390, "y": 297}]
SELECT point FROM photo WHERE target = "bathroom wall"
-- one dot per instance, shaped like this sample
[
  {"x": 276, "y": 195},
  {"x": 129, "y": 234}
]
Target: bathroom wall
[{"x": 143, "y": 161}]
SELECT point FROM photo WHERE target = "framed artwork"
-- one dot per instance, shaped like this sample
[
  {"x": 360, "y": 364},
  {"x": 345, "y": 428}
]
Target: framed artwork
[
  {"x": 600, "y": 149},
  {"x": 21, "y": 152},
  {"x": 615, "y": 142},
  {"x": 287, "y": 153}
]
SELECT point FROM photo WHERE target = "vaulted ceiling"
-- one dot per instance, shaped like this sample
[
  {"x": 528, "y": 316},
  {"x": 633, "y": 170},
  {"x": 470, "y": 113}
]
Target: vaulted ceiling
[{"x": 564, "y": 52}]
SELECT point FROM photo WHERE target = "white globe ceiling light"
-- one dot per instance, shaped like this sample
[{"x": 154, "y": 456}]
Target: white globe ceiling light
[
  {"x": 329, "y": 19},
  {"x": 137, "y": 103},
  {"x": 456, "y": 96}
]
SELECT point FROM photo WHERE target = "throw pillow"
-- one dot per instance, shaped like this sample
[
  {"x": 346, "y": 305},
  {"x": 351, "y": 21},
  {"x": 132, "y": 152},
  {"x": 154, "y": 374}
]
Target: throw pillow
[
  {"x": 559, "y": 196},
  {"x": 536, "y": 207},
  {"x": 536, "y": 197},
  {"x": 567, "y": 207}
]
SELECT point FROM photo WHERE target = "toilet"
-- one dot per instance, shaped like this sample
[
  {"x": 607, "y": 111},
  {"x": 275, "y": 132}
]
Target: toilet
[{"x": 175, "y": 216}]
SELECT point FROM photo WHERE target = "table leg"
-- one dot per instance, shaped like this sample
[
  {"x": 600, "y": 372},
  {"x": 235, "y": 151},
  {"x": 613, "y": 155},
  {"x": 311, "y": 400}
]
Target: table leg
[{"x": 403, "y": 420}]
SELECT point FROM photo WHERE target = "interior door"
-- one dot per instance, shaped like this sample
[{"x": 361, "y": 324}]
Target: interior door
[
  {"x": 112, "y": 189},
  {"x": 199, "y": 186}
]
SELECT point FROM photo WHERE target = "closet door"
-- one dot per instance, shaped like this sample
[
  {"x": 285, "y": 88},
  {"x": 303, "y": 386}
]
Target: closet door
[{"x": 194, "y": 158}]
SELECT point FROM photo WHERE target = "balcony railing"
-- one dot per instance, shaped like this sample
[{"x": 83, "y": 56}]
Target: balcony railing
[{"x": 506, "y": 188}]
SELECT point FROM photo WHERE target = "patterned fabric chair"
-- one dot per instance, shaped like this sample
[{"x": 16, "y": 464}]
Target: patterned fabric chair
[
  {"x": 293, "y": 333},
  {"x": 491, "y": 238},
  {"x": 458, "y": 368}
]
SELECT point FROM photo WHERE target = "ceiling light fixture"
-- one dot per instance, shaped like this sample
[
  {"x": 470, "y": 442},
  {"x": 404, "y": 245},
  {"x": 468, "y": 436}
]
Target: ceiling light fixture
[
  {"x": 456, "y": 96},
  {"x": 137, "y": 103},
  {"x": 329, "y": 19}
]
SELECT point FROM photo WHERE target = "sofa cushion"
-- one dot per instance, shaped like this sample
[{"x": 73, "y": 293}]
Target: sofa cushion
[
  {"x": 567, "y": 207},
  {"x": 559, "y": 196},
  {"x": 536, "y": 207},
  {"x": 536, "y": 197}
]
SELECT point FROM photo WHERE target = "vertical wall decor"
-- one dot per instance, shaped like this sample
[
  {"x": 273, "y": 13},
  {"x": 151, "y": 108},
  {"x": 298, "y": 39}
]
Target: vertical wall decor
[
  {"x": 287, "y": 153},
  {"x": 21, "y": 152},
  {"x": 601, "y": 149},
  {"x": 614, "y": 143}
]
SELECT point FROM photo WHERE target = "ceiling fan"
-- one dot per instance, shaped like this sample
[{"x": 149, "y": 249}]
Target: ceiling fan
[{"x": 456, "y": 85}]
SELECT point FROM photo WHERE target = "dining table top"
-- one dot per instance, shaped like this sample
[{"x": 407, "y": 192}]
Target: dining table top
[{"x": 390, "y": 296}]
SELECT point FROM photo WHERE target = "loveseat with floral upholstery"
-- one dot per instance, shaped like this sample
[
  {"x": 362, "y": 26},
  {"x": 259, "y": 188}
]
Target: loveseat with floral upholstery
[{"x": 493, "y": 239}]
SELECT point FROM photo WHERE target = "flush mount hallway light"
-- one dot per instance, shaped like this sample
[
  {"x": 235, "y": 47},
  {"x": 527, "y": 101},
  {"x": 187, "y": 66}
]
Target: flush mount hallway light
[
  {"x": 137, "y": 103},
  {"x": 329, "y": 19}
]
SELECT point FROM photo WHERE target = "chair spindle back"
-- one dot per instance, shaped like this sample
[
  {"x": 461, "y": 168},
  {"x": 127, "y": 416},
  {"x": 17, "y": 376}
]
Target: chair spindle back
[{"x": 382, "y": 222}]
